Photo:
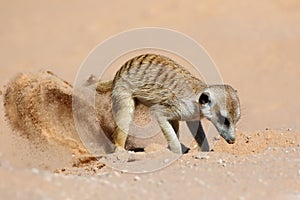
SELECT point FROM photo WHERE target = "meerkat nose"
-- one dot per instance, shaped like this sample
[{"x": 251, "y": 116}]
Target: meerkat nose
[{"x": 230, "y": 140}]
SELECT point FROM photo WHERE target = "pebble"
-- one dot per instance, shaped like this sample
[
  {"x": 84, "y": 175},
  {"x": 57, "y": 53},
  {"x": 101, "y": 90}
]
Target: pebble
[
  {"x": 117, "y": 174},
  {"x": 94, "y": 169},
  {"x": 167, "y": 160},
  {"x": 202, "y": 156},
  {"x": 289, "y": 129},
  {"x": 35, "y": 171},
  {"x": 262, "y": 181},
  {"x": 222, "y": 162},
  {"x": 281, "y": 174},
  {"x": 137, "y": 178},
  {"x": 229, "y": 173},
  {"x": 160, "y": 182},
  {"x": 292, "y": 142},
  {"x": 248, "y": 138}
]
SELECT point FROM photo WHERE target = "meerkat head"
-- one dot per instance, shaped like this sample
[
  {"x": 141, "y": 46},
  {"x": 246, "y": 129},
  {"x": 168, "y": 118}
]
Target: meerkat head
[{"x": 220, "y": 105}]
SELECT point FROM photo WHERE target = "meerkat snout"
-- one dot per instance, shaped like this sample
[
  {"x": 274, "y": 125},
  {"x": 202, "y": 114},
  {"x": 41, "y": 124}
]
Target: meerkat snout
[{"x": 220, "y": 105}]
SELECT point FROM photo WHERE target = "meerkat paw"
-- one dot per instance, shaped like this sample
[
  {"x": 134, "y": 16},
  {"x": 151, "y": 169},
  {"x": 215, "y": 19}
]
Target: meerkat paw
[
  {"x": 119, "y": 149},
  {"x": 175, "y": 148},
  {"x": 185, "y": 149}
]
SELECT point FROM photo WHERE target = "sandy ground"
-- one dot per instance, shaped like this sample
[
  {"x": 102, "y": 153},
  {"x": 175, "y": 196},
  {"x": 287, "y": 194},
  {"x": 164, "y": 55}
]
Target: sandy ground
[{"x": 255, "y": 46}]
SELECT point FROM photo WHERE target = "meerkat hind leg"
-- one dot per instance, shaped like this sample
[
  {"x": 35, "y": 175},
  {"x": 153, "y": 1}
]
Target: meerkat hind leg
[
  {"x": 119, "y": 138},
  {"x": 123, "y": 118},
  {"x": 170, "y": 135}
]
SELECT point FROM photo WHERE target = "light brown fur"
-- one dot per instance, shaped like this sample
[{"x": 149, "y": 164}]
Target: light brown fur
[{"x": 173, "y": 94}]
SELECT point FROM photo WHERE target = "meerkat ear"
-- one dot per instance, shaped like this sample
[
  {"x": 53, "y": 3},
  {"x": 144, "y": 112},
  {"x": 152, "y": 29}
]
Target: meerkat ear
[{"x": 204, "y": 98}]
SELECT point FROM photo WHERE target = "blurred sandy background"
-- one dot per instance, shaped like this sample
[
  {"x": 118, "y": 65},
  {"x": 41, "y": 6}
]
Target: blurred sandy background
[{"x": 255, "y": 45}]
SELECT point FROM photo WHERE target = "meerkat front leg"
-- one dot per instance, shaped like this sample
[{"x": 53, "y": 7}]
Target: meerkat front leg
[{"x": 170, "y": 134}]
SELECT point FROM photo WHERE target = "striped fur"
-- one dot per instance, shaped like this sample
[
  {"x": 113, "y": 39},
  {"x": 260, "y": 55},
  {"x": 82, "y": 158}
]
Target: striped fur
[{"x": 172, "y": 94}]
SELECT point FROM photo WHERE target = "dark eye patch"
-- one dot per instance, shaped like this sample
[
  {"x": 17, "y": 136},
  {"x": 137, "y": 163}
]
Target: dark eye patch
[
  {"x": 224, "y": 120},
  {"x": 204, "y": 98}
]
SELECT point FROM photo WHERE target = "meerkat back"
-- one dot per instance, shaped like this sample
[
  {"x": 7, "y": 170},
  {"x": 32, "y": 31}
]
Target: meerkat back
[{"x": 153, "y": 79}]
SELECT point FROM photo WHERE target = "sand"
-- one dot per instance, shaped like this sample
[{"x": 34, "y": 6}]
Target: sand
[{"x": 255, "y": 46}]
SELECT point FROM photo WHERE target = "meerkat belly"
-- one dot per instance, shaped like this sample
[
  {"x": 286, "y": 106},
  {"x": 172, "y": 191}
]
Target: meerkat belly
[{"x": 170, "y": 106}]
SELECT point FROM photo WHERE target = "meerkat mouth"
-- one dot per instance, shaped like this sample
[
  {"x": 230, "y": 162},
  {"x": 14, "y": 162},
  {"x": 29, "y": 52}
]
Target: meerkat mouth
[
  {"x": 227, "y": 137},
  {"x": 230, "y": 141}
]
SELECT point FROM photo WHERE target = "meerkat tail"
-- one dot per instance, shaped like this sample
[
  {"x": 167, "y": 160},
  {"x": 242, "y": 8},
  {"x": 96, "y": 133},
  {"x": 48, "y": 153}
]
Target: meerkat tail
[{"x": 104, "y": 86}]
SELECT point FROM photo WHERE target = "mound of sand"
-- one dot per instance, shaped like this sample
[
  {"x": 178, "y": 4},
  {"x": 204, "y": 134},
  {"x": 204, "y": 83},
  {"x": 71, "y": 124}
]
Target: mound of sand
[{"x": 39, "y": 107}]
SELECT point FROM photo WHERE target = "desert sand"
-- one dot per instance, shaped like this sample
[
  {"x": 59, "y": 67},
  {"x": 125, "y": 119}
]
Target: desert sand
[{"x": 255, "y": 46}]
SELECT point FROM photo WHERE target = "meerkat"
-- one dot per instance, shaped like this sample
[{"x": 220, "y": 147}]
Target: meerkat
[{"x": 172, "y": 94}]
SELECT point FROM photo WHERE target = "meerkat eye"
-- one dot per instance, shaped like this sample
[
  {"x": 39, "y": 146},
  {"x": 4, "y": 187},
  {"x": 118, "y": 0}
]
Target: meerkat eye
[{"x": 204, "y": 98}]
